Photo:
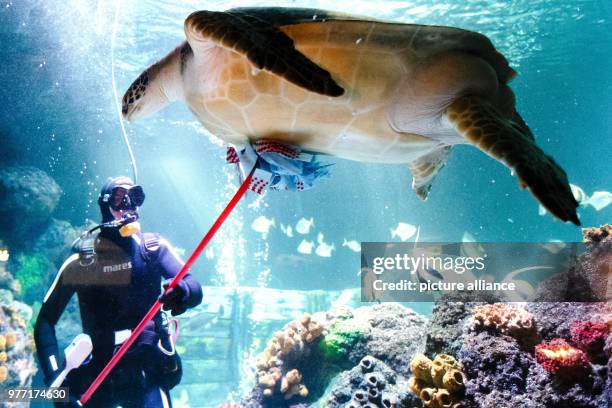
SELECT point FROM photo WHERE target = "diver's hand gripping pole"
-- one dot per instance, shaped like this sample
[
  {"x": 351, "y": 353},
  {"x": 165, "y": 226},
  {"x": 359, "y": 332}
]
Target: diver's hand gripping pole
[{"x": 157, "y": 305}]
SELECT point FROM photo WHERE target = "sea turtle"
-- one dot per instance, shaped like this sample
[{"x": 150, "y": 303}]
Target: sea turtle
[{"x": 352, "y": 87}]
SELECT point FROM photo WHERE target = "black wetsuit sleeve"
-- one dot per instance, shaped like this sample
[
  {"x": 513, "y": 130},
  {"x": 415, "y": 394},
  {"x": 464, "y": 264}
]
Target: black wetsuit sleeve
[
  {"x": 53, "y": 306},
  {"x": 170, "y": 265}
]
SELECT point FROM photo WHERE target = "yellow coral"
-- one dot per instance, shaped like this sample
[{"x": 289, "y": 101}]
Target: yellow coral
[
  {"x": 3, "y": 373},
  {"x": 428, "y": 397},
  {"x": 421, "y": 367},
  {"x": 437, "y": 387},
  {"x": 290, "y": 339},
  {"x": 11, "y": 339},
  {"x": 443, "y": 398},
  {"x": 2, "y": 342},
  {"x": 293, "y": 377},
  {"x": 297, "y": 389},
  {"x": 3, "y": 357},
  {"x": 440, "y": 365},
  {"x": 453, "y": 381},
  {"x": 415, "y": 385}
]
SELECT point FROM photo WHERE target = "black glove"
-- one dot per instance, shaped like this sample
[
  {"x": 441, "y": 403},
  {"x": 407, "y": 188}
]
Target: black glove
[{"x": 175, "y": 299}]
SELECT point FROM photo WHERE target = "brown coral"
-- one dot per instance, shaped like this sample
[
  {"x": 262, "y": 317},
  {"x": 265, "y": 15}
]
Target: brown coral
[
  {"x": 436, "y": 382},
  {"x": 510, "y": 320},
  {"x": 11, "y": 339},
  {"x": 421, "y": 367},
  {"x": 597, "y": 234},
  {"x": 286, "y": 342}
]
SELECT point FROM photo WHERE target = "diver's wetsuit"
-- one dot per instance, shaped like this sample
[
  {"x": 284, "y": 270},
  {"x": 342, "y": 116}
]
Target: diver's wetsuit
[{"x": 115, "y": 291}]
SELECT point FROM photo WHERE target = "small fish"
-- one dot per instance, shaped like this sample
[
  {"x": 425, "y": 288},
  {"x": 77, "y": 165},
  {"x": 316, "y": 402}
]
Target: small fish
[
  {"x": 305, "y": 247},
  {"x": 579, "y": 194},
  {"x": 287, "y": 230},
  {"x": 554, "y": 246},
  {"x": 600, "y": 199},
  {"x": 470, "y": 247},
  {"x": 303, "y": 226},
  {"x": 263, "y": 224},
  {"x": 323, "y": 249},
  {"x": 467, "y": 237},
  {"x": 352, "y": 245},
  {"x": 403, "y": 231}
]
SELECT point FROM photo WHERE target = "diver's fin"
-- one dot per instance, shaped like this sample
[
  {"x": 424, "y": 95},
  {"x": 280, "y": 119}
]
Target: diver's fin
[
  {"x": 483, "y": 126},
  {"x": 425, "y": 169},
  {"x": 264, "y": 45}
]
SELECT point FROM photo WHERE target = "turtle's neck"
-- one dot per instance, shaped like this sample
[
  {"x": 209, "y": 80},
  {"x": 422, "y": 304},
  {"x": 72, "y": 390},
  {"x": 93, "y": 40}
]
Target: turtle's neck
[{"x": 170, "y": 73}]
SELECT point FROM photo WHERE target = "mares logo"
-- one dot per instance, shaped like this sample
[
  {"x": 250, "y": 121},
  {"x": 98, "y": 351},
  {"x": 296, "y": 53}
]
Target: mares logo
[{"x": 118, "y": 267}]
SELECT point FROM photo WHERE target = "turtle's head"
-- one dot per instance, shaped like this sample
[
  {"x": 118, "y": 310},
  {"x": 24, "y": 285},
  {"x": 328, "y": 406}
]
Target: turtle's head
[
  {"x": 140, "y": 100},
  {"x": 155, "y": 88}
]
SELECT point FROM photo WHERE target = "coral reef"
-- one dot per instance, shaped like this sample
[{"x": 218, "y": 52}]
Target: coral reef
[
  {"x": 371, "y": 383},
  {"x": 597, "y": 234},
  {"x": 7, "y": 281},
  {"x": 392, "y": 333},
  {"x": 340, "y": 339},
  {"x": 16, "y": 344},
  {"x": 37, "y": 242},
  {"x": 507, "y": 319},
  {"x": 33, "y": 273},
  {"x": 438, "y": 383},
  {"x": 274, "y": 374},
  {"x": 559, "y": 358},
  {"x": 500, "y": 373},
  {"x": 590, "y": 336},
  {"x": 450, "y": 313},
  {"x": 28, "y": 197},
  {"x": 339, "y": 342}
]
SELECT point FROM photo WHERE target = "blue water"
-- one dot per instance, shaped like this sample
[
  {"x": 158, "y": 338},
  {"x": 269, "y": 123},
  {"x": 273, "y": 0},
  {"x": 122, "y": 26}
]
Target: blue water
[{"x": 58, "y": 113}]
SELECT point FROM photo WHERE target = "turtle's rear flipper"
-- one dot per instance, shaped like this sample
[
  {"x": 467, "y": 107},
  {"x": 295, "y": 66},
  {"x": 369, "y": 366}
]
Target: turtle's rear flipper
[
  {"x": 504, "y": 140},
  {"x": 425, "y": 169}
]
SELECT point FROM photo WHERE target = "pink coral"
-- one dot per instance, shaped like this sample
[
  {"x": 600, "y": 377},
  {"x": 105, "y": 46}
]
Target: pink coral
[
  {"x": 589, "y": 336},
  {"x": 559, "y": 358}
]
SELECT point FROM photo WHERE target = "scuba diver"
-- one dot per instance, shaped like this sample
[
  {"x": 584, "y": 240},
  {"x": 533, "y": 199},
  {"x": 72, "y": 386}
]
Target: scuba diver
[{"x": 117, "y": 275}]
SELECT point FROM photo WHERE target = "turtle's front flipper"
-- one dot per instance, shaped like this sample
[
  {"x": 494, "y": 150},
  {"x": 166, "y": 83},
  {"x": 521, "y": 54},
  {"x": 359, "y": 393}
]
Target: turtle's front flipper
[
  {"x": 483, "y": 126},
  {"x": 263, "y": 44}
]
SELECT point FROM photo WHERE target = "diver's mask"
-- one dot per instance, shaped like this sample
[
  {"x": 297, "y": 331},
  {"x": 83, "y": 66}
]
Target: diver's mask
[{"x": 125, "y": 200}]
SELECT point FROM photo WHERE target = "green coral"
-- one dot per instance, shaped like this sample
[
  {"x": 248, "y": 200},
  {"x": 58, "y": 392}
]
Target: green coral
[
  {"x": 30, "y": 274},
  {"x": 342, "y": 336}
]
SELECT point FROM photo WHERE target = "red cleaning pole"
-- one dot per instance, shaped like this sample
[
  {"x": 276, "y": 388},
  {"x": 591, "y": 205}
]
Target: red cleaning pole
[{"x": 157, "y": 305}]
